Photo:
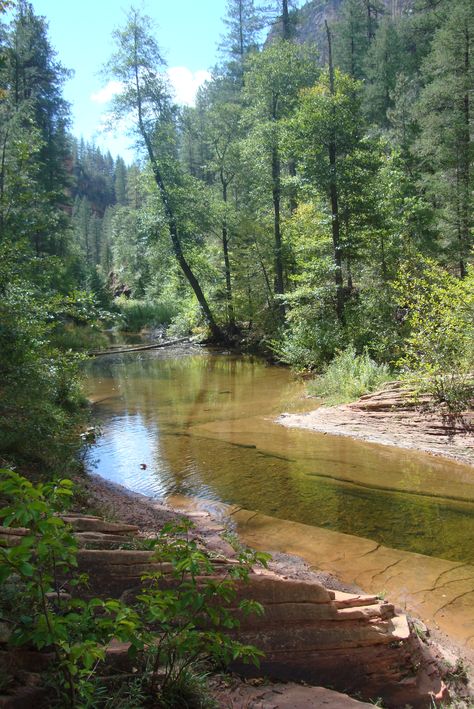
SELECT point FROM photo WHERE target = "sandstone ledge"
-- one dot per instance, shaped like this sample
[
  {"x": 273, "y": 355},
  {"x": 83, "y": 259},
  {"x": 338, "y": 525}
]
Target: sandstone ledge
[
  {"x": 392, "y": 417},
  {"x": 352, "y": 642}
]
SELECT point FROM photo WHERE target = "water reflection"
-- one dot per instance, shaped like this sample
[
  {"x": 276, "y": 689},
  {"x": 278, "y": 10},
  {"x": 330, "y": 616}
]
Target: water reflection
[{"x": 203, "y": 426}]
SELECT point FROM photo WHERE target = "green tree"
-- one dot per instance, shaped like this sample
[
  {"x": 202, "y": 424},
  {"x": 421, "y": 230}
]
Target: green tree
[
  {"x": 383, "y": 63},
  {"x": 327, "y": 139},
  {"x": 136, "y": 63},
  {"x": 439, "y": 321},
  {"x": 35, "y": 78},
  {"x": 272, "y": 85},
  {"x": 351, "y": 40},
  {"x": 33, "y": 144},
  {"x": 243, "y": 22},
  {"x": 445, "y": 114},
  {"x": 219, "y": 108}
]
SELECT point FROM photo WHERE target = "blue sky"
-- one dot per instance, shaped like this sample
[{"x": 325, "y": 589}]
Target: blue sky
[{"x": 80, "y": 31}]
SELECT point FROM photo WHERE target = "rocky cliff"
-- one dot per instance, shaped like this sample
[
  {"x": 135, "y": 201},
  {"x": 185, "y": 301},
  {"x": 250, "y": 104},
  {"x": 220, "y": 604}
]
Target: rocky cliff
[{"x": 308, "y": 21}]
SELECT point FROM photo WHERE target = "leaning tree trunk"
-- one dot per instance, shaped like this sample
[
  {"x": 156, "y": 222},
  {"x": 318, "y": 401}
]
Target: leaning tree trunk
[{"x": 216, "y": 332}]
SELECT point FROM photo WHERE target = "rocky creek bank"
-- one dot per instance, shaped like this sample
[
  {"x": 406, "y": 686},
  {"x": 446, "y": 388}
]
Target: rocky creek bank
[
  {"x": 314, "y": 630},
  {"x": 393, "y": 416}
]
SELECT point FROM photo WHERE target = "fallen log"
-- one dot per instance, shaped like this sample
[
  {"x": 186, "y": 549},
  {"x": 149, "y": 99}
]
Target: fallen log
[{"x": 138, "y": 348}]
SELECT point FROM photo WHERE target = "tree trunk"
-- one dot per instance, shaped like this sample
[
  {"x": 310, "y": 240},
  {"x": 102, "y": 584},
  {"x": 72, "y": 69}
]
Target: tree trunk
[
  {"x": 370, "y": 22},
  {"x": 334, "y": 197},
  {"x": 465, "y": 154},
  {"x": 225, "y": 248},
  {"x": 285, "y": 20}
]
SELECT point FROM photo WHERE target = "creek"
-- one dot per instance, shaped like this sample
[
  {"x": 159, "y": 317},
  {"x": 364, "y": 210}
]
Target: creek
[{"x": 199, "y": 424}]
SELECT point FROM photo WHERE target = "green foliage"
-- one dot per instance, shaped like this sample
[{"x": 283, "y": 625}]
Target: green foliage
[
  {"x": 445, "y": 143},
  {"x": 438, "y": 347},
  {"x": 351, "y": 39},
  {"x": 349, "y": 376},
  {"x": 138, "y": 314},
  {"x": 193, "y": 618},
  {"x": 40, "y": 402},
  {"x": 35, "y": 572},
  {"x": 184, "y": 616},
  {"x": 79, "y": 338},
  {"x": 383, "y": 63}
]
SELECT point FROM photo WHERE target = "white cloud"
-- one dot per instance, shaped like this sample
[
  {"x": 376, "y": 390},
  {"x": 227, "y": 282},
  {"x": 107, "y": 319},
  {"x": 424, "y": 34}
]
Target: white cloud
[
  {"x": 107, "y": 92},
  {"x": 186, "y": 83}
]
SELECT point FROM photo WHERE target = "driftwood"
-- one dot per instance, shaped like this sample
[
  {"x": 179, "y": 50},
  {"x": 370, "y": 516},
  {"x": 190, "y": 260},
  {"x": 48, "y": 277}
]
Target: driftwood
[{"x": 138, "y": 348}]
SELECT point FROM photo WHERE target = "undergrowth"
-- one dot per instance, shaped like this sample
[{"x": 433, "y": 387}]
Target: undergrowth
[
  {"x": 138, "y": 314},
  {"x": 348, "y": 377},
  {"x": 182, "y": 620}
]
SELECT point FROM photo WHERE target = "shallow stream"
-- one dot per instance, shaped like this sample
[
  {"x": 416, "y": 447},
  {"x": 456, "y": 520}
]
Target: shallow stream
[{"x": 203, "y": 425}]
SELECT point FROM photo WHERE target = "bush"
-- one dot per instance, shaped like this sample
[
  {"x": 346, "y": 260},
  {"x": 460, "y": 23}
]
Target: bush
[
  {"x": 138, "y": 314},
  {"x": 32, "y": 576},
  {"x": 40, "y": 396},
  {"x": 349, "y": 376},
  {"x": 178, "y": 621},
  {"x": 438, "y": 350},
  {"x": 313, "y": 335}
]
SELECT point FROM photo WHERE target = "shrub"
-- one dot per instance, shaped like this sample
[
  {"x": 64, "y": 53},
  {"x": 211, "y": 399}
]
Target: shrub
[
  {"x": 178, "y": 621},
  {"x": 40, "y": 395},
  {"x": 438, "y": 349},
  {"x": 349, "y": 376},
  {"x": 32, "y": 576},
  {"x": 137, "y": 314}
]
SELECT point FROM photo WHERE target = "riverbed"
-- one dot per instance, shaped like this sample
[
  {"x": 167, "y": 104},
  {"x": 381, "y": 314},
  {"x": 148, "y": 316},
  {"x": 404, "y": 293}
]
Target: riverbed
[{"x": 199, "y": 425}]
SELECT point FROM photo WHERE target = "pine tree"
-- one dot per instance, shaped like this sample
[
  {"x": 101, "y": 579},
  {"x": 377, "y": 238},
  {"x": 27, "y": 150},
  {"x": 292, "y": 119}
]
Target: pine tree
[
  {"x": 351, "y": 41},
  {"x": 445, "y": 114},
  {"x": 244, "y": 23},
  {"x": 120, "y": 181},
  {"x": 33, "y": 145},
  {"x": 383, "y": 64}
]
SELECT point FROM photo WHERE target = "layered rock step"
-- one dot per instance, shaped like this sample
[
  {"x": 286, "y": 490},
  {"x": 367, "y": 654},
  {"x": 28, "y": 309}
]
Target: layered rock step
[
  {"x": 354, "y": 643},
  {"x": 283, "y": 696}
]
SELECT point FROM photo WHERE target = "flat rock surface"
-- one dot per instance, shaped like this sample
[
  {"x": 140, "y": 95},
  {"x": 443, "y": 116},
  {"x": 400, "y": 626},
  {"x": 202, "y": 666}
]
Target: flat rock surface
[
  {"x": 390, "y": 417},
  {"x": 440, "y": 592},
  {"x": 282, "y": 696}
]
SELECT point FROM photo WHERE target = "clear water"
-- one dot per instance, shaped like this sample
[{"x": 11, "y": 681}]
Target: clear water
[{"x": 203, "y": 425}]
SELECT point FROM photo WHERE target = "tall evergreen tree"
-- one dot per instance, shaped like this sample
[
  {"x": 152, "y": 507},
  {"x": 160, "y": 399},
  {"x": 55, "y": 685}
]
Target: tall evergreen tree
[
  {"x": 351, "y": 41},
  {"x": 244, "y": 22},
  {"x": 445, "y": 113},
  {"x": 383, "y": 63},
  {"x": 33, "y": 145}
]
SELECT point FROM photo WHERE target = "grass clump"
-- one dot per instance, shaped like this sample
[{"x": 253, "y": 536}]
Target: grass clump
[
  {"x": 138, "y": 314},
  {"x": 349, "y": 376}
]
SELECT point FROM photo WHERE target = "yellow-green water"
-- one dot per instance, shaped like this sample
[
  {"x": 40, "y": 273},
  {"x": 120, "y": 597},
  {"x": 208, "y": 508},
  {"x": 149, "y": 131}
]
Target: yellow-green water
[{"x": 203, "y": 424}]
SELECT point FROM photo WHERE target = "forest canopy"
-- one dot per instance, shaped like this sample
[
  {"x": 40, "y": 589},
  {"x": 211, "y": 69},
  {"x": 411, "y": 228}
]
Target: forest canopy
[{"x": 316, "y": 199}]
